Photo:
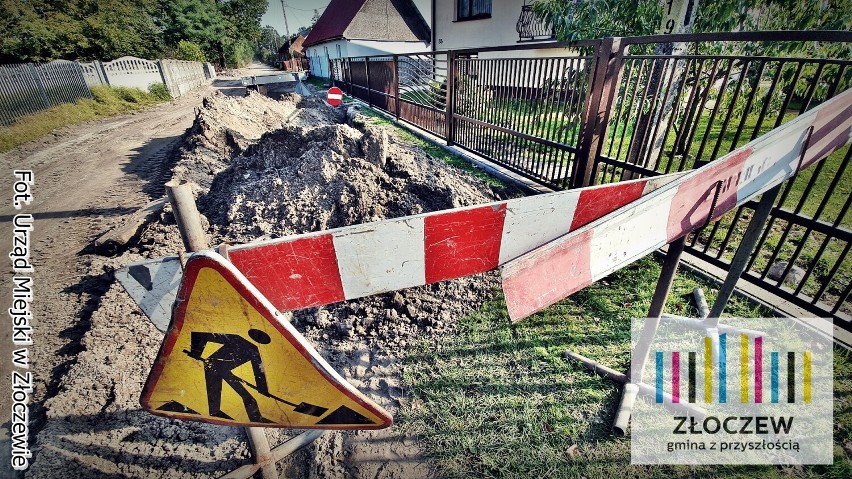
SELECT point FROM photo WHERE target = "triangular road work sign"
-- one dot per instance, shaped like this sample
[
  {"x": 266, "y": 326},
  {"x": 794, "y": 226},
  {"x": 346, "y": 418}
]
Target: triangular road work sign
[{"x": 229, "y": 358}]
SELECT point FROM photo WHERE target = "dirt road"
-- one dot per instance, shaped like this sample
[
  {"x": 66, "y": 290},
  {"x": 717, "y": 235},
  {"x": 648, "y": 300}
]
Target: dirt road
[{"x": 86, "y": 177}]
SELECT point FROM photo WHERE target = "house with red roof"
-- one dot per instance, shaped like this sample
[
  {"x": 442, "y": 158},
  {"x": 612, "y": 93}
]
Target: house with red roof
[{"x": 353, "y": 28}]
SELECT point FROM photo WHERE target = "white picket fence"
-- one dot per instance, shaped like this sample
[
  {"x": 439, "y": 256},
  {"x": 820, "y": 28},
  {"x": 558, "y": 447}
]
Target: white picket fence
[{"x": 27, "y": 88}]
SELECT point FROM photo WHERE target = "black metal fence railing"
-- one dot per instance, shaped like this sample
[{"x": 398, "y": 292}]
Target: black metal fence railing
[
  {"x": 522, "y": 113},
  {"x": 606, "y": 110},
  {"x": 532, "y": 28}
]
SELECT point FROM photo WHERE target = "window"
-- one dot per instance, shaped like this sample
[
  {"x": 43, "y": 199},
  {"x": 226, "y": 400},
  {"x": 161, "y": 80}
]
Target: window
[{"x": 473, "y": 9}]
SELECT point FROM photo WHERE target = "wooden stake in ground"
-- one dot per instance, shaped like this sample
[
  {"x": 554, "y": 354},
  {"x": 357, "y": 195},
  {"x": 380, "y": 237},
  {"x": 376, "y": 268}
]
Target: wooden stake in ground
[{"x": 194, "y": 239}]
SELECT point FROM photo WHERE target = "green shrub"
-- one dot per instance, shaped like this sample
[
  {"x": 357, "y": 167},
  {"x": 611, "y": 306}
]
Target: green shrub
[
  {"x": 189, "y": 51},
  {"x": 160, "y": 91},
  {"x": 130, "y": 95},
  {"x": 238, "y": 54}
]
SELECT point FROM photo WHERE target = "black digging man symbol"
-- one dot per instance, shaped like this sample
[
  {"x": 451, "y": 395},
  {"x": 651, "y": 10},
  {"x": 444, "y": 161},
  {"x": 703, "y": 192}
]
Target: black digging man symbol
[{"x": 219, "y": 367}]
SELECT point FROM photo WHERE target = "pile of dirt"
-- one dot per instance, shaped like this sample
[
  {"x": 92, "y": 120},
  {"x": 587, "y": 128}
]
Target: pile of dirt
[
  {"x": 296, "y": 180},
  {"x": 225, "y": 125},
  {"x": 319, "y": 174},
  {"x": 267, "y": 168}
]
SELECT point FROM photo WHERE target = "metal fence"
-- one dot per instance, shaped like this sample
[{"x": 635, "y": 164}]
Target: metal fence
[
  {"x": 620, "y": 108},
  {"x": 27, "y": 88}
]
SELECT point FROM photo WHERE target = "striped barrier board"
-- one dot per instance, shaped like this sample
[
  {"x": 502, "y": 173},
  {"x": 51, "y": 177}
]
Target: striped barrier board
[
  {"x": 556, "y": 270},
  {"x": 351, "y": 262}
]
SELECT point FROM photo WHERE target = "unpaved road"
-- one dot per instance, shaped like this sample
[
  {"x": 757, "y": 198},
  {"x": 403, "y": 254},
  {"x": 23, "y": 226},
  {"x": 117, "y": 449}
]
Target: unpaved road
[{"x": 86, "y": 177}]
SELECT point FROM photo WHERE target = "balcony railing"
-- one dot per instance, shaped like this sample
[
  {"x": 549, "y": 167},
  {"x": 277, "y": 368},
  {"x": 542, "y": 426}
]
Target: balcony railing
[{"x": 531, "y": 28}]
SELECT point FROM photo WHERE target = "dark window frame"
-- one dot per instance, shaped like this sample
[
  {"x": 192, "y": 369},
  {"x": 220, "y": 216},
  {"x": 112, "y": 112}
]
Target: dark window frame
[{"x": 469, "y": 15}]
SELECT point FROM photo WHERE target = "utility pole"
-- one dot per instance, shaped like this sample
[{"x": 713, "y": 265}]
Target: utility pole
[{"x": 286, "y": 28}]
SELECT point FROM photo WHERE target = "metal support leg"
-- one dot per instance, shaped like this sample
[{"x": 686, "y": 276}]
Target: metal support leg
[
  {"x": 649, "y": 330},
  {"x": 741, "y": 257},
  {"x": 634, "y": 385}
]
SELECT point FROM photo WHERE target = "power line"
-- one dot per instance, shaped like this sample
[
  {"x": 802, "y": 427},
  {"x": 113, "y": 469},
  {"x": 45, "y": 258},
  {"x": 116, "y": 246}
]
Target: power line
[{"x": 308, "y": 9}]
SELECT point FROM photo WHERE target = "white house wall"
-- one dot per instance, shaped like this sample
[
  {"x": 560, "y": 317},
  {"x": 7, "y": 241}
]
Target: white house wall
[
  {"x": 499, "y": 30},
  {"x": 318, "y": 55}
]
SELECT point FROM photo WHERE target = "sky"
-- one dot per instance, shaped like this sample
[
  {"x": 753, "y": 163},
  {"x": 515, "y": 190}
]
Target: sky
[{"x": 299, "y": 13}]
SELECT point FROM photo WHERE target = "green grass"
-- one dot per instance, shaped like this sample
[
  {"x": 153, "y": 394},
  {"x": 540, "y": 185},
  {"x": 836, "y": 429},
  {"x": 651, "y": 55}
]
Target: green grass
[
  {"x": 106, "y": 101},
  {"x": 496, "y": 400},
  {"x": 317, "y": 82}
]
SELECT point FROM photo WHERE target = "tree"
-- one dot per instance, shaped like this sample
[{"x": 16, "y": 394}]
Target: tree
[
  {"x": 78, "y": 29},
  {"x": 196, "y": 21},
  {"x": 588, "y": 19},
  {"x": 268, "y": 44},
  {"x": 244, "y": 16},
  {"x": 45, "y": 30},
  {"x": 117, "y": 28},
  {"x": 242, "y": 31}
]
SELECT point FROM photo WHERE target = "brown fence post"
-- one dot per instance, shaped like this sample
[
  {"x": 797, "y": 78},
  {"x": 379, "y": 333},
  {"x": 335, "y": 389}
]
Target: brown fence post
[
  {"x": 450, "y": 103},
  {"x": 367, "y": 74},
  {"x": 606, "y": 69},
  {"x": 396, "y": 84},
  {"x": 349, "y": 76}
]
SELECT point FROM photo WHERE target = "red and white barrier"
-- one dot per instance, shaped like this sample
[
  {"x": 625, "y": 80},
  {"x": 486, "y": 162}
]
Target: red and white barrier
[
  {"x": 578, "y": 259},
  {"x": 352, "y": 262}
]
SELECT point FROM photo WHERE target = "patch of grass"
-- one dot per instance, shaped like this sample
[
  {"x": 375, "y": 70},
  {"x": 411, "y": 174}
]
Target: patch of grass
[
  {"x": 496, "y": 400},
  {"x": 317, "y": 82},
  {"x": 106, "y": 101}
]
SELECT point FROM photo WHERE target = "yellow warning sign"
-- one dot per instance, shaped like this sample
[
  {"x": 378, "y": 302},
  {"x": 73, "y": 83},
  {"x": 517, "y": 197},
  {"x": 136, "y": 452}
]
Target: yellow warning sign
[{"x": 228, "y": 358}]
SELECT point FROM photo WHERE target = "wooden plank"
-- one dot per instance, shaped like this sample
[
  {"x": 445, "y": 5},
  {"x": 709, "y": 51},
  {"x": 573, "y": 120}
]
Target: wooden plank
[
  {"x": 361, "y": 260},
  {"x": 129, "y": 226},
  {"x": 538, "y": 279}
]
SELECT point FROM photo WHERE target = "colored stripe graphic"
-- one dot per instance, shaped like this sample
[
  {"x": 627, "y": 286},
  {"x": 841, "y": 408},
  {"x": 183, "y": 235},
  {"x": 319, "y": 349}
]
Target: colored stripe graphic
[
  {"x": 723, "y": 368},
  {"x": 743, "y": 368},
  {"x": 530, "y": 283},
  {"x": 774, "y": 376},
  {"x": 708, "y": 369},
  {"x": 675, "y": 377},
  {"x": 659, "y": 381},
  {"x": 791, "y": 377},
  {"x": 807, "y": 377},
  {"x": 758, "y": 369},
  {"x": 691, "y": 377}
]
